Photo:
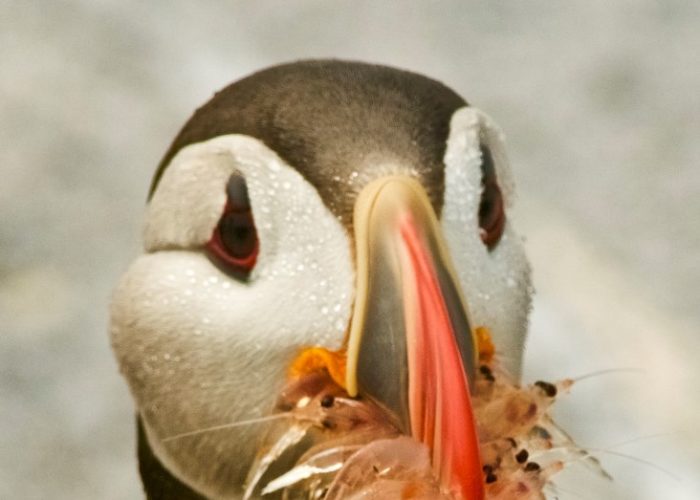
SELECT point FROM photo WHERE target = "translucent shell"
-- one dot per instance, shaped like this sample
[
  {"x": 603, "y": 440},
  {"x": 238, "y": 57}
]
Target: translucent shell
[{"x": 326, "y": 445}]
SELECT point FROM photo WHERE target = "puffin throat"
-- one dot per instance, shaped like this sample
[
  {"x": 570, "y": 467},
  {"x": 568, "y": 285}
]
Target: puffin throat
[{"x": 410, "y": 346}]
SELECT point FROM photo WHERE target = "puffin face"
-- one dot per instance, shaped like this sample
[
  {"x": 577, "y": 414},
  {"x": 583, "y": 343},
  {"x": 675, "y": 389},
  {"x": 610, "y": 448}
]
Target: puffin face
[{"x": 319, "y": 203}]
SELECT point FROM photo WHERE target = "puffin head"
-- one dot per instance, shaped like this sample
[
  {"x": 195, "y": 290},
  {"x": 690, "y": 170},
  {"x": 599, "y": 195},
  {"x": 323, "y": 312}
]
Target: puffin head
[{"x": 322, "y": 203}]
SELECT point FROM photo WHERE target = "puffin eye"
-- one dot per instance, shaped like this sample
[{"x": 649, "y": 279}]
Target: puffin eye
[
  {"x": 234, "y": 243},
  {"x": 492, "y": 216}
]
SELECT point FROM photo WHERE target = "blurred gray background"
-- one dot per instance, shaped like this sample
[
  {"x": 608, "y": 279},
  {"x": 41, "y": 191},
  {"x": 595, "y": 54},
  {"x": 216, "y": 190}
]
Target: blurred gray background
[{"x": 600, "y": 103}]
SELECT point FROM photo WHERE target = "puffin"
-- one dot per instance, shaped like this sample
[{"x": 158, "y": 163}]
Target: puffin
[{"x": 319, "y": 206}]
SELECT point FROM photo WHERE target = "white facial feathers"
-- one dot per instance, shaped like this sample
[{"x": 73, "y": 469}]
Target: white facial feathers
[
  {"x": 200, "y": 348},
  {"x": 496, "y": 283}
]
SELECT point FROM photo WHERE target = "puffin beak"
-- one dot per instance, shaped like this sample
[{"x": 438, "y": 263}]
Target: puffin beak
[{"x": 410, "y": 345}]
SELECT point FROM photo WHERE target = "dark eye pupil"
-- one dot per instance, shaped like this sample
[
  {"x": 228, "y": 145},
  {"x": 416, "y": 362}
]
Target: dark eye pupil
[
  {"x": 234, "y": 244},
  {"x": 488, "y": 210},
  {"x": 491, "y": 211},
  {"x": 238, "y": 234}
]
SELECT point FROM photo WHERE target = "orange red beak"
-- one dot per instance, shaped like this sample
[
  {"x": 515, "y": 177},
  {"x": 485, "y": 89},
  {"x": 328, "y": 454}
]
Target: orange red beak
[{"x": 411, "y": 346}]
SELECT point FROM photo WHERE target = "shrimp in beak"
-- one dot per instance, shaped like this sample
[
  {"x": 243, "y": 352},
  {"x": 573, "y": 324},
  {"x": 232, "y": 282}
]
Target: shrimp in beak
[
  {"x": 394, "y": 414},
  {"x": 411, "y": 346}
]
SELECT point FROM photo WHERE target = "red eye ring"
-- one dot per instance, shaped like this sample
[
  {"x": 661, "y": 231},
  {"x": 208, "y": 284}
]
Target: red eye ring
[
  {"x": 242, "y": 263},
  {"x": 234, "y": 243},
  {"x": 492, "y": 216}
]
